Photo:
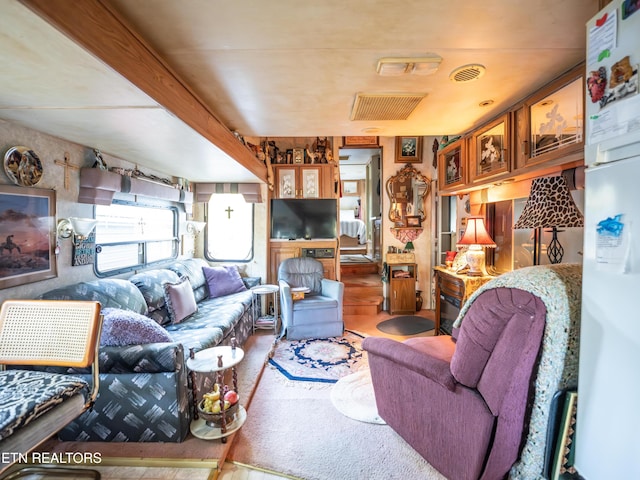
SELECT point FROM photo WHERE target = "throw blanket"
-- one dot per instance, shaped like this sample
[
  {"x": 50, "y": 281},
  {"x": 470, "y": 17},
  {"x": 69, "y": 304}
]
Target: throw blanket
[
  {"x": 560, "y": 289},
  {"x": 355, "y": 229}
]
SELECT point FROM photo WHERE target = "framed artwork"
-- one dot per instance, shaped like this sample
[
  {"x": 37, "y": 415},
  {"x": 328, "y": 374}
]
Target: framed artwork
[
  {"x": 408, "y": 150},
  {"x": 84, "y": 251},
  {"x": 298, "y": 155},
  {"x": 350, "y": 187},
  {"x": 360, "y": 141},
  {"x": 27, "y": 235},
  {"x": 414, "y": 221},
  {"x": 565, "y": 446}
]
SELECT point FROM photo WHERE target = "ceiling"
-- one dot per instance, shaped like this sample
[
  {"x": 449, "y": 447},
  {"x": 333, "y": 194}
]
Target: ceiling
[{"x": 280, "y": 69}]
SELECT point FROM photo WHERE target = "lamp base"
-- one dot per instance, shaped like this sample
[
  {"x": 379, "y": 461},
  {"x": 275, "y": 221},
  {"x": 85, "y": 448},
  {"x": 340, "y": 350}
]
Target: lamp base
[{"x": 475, "y": 260}]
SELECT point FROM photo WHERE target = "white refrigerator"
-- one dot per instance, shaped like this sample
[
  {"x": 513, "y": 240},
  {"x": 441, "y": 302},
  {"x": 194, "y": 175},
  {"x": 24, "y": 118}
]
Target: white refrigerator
[{"x": 607, "y": 436}]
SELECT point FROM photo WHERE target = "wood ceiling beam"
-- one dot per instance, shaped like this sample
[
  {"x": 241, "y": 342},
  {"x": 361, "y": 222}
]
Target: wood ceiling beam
[{"x": 98, "y": 28}]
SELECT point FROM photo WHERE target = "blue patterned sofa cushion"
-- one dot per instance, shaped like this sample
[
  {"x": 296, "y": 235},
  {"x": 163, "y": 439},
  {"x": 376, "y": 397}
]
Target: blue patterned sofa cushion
[
  {"x": 151, "y": 284},
  {"x": 192, "y": 269},
  {"x": 27, "y": 394},
  {"x": 114, "y": 293}
]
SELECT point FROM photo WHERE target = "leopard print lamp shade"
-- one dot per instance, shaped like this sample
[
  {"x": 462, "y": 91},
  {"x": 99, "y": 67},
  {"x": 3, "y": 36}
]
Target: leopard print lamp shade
[{"x": 550, "y": 205}]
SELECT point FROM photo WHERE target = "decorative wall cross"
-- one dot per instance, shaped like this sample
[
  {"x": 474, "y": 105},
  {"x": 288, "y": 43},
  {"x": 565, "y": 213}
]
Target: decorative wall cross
[
  {"x": 67, "y": 165},
  {"x": 229, "y": 210}
]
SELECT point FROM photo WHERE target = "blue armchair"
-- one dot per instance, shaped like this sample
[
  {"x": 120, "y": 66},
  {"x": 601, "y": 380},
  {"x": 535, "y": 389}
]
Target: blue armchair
[{"x": 319, "y": 313}]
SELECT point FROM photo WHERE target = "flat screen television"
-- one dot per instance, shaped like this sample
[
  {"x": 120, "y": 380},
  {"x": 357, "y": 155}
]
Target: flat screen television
[{"x": 303, "y": 218}]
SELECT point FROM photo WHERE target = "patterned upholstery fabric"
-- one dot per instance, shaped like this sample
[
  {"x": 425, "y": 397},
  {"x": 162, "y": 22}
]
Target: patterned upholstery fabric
[
  {"x": 192, "y": 269},
  {"x": 115, "y": 293},
  {"x": 25, "y": 395},
  {"x": 145, "y": 391},
  {"x": 151, "y": 284}
]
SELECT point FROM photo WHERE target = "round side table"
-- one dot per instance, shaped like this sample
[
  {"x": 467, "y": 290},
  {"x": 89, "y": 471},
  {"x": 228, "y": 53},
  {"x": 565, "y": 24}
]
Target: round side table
[
  {"x": 216, "y": 360},
  {"x": 268, "y": 321}
]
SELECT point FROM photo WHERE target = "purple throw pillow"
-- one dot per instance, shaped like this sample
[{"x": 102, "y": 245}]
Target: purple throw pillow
[
  {"x": 223, "y": 280},
  {"x": 124, "y": 327},
  {"x": 180, "y": 300}
]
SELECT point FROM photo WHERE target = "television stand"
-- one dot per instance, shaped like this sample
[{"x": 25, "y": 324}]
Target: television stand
[{"x": 322, "y": 250}]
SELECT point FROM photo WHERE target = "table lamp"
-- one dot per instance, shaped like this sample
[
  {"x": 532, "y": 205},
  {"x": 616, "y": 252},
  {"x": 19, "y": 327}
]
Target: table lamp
[
  {"x": 476, "y": 237},
  {"x": 549, "y": 205}
]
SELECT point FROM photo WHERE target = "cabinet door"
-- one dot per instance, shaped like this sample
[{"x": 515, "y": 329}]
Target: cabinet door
[
  {"x": 277, "y": 255},
  {"x": 403, "y": 296},
  {"x": 490, "y": 154},
  {"x": 310, "y": 182},
  {"x": 551, "y": 124},
  {"x": 287, "y": 182},
  {"x": 452, "y": 166},
  {"x": 402, "y": 288},
  {"x": 329, "y": 266}
]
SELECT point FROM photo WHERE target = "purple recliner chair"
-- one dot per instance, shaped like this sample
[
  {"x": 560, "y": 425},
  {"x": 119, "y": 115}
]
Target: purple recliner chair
[{"x": 463, "y": 405}]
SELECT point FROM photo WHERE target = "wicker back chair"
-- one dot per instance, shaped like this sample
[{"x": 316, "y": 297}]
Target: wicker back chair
[{"x": 37, "y": 403}]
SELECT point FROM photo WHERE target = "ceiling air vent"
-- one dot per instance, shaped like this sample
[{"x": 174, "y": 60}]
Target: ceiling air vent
[
  {"x": 385, "y": 106},
  {"x": 467, "y": 73}
]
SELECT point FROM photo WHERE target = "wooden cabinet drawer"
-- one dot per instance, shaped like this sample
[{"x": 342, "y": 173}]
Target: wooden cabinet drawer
[{"x": 451, "y": 286}]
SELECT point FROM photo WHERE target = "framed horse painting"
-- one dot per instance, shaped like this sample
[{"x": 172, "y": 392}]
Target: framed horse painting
[{"x": 27, "y": 235}]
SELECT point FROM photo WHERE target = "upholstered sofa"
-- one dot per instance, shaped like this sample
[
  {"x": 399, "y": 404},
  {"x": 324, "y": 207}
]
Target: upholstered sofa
[{"x": 145, "y": 392}]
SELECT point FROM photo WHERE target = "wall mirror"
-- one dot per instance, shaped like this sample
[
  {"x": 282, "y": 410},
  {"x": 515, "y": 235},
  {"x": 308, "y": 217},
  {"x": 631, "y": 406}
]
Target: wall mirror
[{"x": 407, "y": 191}]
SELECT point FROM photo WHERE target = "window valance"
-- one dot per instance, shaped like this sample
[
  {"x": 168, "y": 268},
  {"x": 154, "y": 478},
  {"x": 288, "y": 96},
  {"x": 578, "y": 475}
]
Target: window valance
[
  {"x": 98, "y": 187},
  {"x": 251, "y": 192}
]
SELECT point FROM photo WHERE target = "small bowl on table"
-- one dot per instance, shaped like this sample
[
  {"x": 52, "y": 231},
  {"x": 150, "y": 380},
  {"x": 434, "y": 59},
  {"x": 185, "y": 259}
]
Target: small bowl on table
[{"x": 215, "y": 419}]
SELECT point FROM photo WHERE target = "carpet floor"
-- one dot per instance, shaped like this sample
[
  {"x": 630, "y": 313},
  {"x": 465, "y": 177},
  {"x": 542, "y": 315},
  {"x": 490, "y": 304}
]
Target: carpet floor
[{"x": 296, "y": 430}]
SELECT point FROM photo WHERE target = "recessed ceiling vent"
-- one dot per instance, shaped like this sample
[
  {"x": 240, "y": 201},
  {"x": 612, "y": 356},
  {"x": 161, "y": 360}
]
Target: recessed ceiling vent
[
  {"x": 467, "y": 73},
  {"x": 385, "y": 106}
]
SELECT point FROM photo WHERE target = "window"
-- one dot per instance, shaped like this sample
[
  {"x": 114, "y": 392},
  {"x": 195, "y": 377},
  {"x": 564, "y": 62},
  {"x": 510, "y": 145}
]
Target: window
[
  {"x": 447, "y": 219},
  {"x": 133, "y": 236},
  {"x": 229, "y": 228}
]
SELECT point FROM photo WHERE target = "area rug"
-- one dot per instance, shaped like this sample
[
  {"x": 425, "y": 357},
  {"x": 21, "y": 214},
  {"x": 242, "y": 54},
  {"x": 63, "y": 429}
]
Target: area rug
[
  {"x": 320, "y": 360},
  {"x": 406, "y": 325},
  {"x": 297, "y": 431},
  {"x": 354, "y": 397}
]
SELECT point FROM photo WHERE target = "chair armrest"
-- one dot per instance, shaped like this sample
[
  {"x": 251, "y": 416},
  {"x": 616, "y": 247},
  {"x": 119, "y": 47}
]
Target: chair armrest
[
  {"x": 405, "y": 356},
  {"x": 332, "y": 289},
  {"x": 147, "y": 358}
]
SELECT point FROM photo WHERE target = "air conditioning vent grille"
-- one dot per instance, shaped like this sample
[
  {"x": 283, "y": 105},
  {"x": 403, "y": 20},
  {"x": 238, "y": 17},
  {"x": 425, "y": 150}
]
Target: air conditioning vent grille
[
  {"x": 385, "y": 106},
  {"x": 467, "y": 73}
]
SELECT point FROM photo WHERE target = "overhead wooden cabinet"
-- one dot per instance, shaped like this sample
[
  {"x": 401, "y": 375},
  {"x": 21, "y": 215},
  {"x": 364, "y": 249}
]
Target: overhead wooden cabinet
[
  {"x": 490, "y": 153},
  {"x": 541, "y": 133},
  {"x": 452, "y": 166},
  {"x": 549, "y": 126},
  {"x": 304, "y": 181}
]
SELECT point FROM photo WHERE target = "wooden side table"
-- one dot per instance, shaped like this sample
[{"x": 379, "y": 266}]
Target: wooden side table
[
  {"x": 402, "y": 288},
  {"x": 216, "y": 360},
  {"x": 452, "y": 291}
]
